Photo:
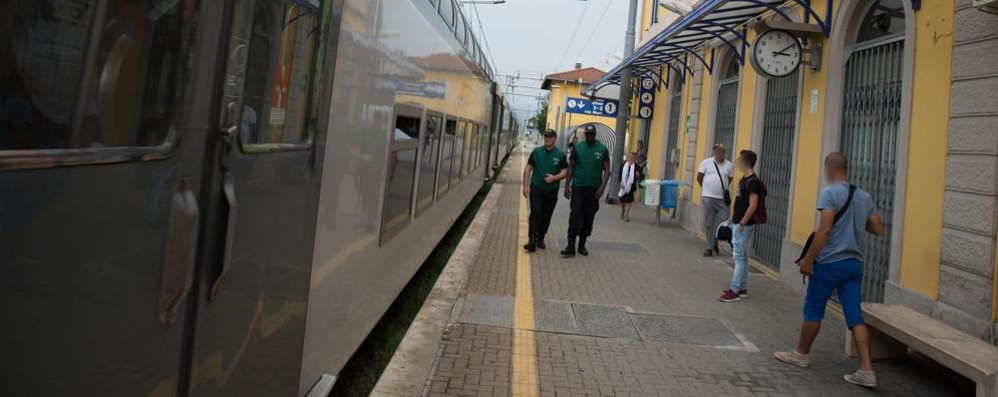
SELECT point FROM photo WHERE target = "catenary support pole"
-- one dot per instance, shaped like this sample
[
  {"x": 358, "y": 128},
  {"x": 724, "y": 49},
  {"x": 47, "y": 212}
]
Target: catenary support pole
[{"x": 624, "y": 112}]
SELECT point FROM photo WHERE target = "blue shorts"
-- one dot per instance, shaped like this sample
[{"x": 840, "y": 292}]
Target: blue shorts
[{"x": 846, "y": 277}]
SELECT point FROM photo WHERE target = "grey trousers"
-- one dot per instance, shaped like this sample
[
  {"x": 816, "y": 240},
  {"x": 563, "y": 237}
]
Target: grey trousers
[{"x": 714, "y": 212}]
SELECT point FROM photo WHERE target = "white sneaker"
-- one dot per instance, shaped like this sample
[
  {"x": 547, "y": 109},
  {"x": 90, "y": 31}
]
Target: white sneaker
[
  {"x": 794, "y": 358},
  {"x": 862, "y": 378}
]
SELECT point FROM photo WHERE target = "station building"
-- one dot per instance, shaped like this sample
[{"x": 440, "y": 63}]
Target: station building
[
  {"x": 564, "y": 88},
  {"x": 905, "y": 88}
]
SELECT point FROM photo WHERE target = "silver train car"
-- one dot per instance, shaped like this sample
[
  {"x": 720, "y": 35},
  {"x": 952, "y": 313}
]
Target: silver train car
[{"x": 222, "y": 197}]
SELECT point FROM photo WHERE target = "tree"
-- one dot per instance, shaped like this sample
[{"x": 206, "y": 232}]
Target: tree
[{"x": 540, "y": 120}]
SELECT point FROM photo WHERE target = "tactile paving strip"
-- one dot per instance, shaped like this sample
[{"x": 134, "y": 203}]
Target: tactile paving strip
[
  {"x": 684, "y": 329},
  {"x": 597, "y": 245},
  {"x": 496, "y": 311},
  {"x": 607, "y": 321}
]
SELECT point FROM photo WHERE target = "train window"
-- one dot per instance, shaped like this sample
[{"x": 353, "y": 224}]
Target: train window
[
  {"x": 459, "y": 152},
  {"x": 433, "y": 128},
  {"x": 447, "y": 11},
  {"x": 469, "y": 149},
  {"x": 447, "y": 155},
  {"x": 478, "y": 145},
  {"x": 73, "y": 77},
  {"x": 280, "y": 65},
  {"x": 401, "y": 169}
]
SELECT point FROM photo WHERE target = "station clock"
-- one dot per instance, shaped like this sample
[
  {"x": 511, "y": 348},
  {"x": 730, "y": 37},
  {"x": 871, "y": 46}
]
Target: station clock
[{"x": 776, "y": 53}]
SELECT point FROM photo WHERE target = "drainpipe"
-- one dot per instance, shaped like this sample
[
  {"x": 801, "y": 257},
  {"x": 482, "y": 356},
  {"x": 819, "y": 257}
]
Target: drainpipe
[{"x": 625, "y": 103}]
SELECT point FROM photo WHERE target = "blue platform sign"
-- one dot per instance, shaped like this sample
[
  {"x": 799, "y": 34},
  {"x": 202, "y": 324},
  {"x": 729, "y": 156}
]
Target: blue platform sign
[
  {"x": 598, "y": 107},
  {"x": 646, "y": 98}
]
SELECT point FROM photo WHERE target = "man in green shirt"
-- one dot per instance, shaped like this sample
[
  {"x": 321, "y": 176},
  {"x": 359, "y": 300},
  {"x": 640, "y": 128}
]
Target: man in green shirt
[
  {"x": 588, "y": 171},
  {"x": 546, "y": 166}
]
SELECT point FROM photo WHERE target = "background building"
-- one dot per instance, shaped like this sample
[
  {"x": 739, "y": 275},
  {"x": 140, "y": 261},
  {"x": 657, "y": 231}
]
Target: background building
[{"x": 905, "y": 93}]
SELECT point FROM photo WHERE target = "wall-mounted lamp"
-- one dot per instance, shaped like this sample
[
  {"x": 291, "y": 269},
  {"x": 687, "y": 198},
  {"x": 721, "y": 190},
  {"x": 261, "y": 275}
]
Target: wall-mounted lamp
[{"x": 815, "y": 61}]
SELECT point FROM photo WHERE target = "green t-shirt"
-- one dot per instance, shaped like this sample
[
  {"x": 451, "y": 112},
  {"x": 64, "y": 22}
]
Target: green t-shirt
[
  {"x": 546, "y": 162},
  {"x": 588, "y": 161}
]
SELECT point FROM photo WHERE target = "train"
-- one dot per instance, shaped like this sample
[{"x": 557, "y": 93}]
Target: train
[{"x": 223, "y": 197}]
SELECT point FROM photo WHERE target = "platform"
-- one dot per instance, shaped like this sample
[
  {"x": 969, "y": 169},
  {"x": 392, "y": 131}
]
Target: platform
[{"x": 638, "y": 317}]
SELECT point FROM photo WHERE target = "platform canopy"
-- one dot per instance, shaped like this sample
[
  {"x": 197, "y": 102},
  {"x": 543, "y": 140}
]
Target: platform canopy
[{"x": 723, "y": 20}]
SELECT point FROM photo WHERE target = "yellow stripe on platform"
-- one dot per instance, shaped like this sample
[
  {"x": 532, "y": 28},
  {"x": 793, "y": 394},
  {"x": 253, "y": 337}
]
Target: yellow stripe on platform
[{"x": 524, "y": 376}]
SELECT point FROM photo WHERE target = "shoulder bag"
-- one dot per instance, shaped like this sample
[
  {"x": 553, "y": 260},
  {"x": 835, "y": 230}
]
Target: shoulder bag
[
  {"x": 727, "y": 196},
  {"x": 838, "y": 215}
]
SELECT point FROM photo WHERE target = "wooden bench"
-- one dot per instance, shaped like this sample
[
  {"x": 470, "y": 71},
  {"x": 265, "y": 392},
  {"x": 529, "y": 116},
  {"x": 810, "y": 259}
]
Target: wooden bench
[{"x": 894, "y": 329}]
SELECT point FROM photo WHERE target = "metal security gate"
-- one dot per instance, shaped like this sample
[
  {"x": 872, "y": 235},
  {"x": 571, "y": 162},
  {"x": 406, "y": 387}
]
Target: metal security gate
[
  {"x": 775, "y": 163},
  {"x": 724, "y": 122},
  {"x": 671, "y": 155},
  {"x": 870, "y": 119}
]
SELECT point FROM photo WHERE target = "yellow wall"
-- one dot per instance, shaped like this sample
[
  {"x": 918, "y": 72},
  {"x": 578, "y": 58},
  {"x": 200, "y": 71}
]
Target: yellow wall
[
  {"x": 706, "y": 92},
  {"x": 923, "y": 219},
  {"x": 557, "y": 97},
  {"x": 746, "y": 105},
  {"x": 809, "y": 141},
  {"x": 656, "y": 134},
  {"x": 645, "y": 21}
]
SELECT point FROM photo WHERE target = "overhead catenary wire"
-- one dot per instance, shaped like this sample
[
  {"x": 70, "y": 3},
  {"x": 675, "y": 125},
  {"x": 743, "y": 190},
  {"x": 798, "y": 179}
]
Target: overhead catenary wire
[
  {"x": 595, "y": 28},
  {"x": 568, "y": 45}
]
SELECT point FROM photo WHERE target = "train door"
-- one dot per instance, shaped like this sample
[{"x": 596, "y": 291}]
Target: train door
[
  {"x": 102, "y": 153},
  {"x": 250, "y": 319}
]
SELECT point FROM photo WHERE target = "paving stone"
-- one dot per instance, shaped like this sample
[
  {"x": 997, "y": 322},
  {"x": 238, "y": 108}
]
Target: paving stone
[
  {"x": 599, "y": 245},
  {"x": 605, "y": 321},
  {"x": 551, "y": 316},
  {"x": 488, "y": 310},
  {"x": 664, "y": 354},
  {"x": 684, "y": 329}
]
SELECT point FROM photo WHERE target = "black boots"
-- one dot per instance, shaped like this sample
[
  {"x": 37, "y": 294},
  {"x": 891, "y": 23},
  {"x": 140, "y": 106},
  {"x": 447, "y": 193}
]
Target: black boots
[
  {"x": 531, "y": 244},
  {"x": 582, "y": 247},
  {"x": 569, "y": 251},
  {"x": 540, "y": 242}
]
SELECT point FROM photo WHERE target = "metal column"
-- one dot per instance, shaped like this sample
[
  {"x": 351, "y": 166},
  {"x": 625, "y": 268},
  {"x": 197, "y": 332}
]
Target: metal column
[
  {"x": 775, "y": 163},
  {"x": 871, "y": 116}
]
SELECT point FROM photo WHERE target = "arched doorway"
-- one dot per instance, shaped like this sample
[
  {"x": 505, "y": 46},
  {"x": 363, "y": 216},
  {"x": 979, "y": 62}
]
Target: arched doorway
[
  {"x": 604, "y": 134},
  {"x": 726, "y": 111},
  {"x": 872, "y": 100},
  {"x": 775, "y": 164}
]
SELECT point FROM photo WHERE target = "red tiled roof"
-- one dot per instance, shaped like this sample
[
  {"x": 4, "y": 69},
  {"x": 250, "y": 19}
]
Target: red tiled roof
[{"x": 587, "y": 75}]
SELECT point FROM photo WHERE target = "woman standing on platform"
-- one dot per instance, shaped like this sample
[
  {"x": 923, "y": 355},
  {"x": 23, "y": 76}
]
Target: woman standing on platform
[{"x": 628, "y": 184}]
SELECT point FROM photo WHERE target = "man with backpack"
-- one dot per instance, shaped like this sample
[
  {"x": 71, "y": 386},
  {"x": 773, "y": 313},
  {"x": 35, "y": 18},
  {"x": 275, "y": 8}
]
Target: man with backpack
[
  {"x": 750, "y": 210},
  {"x": 834, "y": 262}
]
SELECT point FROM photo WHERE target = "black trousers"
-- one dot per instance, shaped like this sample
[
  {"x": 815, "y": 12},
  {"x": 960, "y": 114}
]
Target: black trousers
[
  {"x": 584, "y": 207},
  {"x": 542, "y": 205}
]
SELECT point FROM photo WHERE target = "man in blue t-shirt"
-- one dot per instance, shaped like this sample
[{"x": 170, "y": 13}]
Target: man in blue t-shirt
[{"x": 835, "y": 263}]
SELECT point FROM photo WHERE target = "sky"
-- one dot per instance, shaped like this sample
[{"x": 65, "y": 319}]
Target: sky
[{"x": 533, "y": 38}]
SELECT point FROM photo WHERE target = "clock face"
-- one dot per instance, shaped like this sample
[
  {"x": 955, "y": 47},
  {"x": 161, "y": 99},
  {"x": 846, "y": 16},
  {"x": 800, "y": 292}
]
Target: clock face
[{"x": 776, "y": 53}]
